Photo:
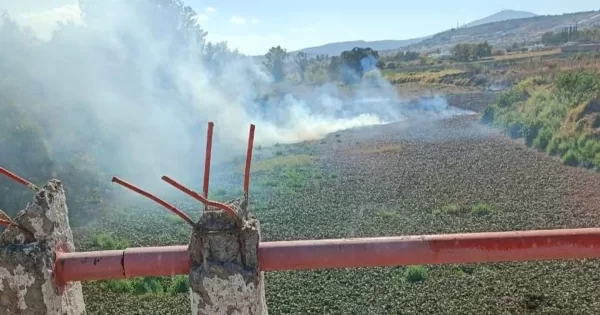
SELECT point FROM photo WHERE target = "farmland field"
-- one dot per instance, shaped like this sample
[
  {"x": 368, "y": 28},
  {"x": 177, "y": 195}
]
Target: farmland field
[{"x": 437, "y": 176}]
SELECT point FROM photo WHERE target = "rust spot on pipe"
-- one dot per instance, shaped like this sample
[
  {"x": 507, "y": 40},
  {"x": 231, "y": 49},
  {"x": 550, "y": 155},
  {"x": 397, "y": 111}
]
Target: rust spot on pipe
[
  {"x": 16, "y": 178},
  {"x": 198, "y": 197},
  {"x": 161, "y": 202}
]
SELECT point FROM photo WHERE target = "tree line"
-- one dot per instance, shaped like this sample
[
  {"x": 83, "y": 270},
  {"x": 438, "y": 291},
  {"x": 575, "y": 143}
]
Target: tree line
[
  {"x": 571, "y": 34},
  {"x": 350, "y": 66},
  {"x": 471, "y": 51}
]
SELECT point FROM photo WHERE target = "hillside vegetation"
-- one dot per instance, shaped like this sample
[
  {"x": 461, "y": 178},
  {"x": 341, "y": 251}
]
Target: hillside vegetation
[
  {"x": 508, "y": 32},
  {"x": 560, "y": 117}
]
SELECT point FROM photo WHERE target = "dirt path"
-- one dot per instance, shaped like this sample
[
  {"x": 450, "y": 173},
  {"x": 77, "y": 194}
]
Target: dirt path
[{"x": 392, "y": 179}]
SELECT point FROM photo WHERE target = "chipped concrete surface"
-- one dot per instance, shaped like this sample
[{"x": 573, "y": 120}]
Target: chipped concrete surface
[
  {"x": 225, "y": 277},
  {"x": 18, "y": 281},
  {"x": 27, "y": 257}
]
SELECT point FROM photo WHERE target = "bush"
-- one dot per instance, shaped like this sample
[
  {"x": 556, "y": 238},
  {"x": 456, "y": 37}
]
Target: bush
[
  {"x": 570, "y": 158},
  {"x": 180, "y": 284},
  {"x": 482, "y": 209},
  {"x": 148, "y": 285},
  {"x": 543, "y": 138},
  {"x": 552, "y": 147},
  {"x": 108, "y": 242},
  {"x": 119, "y": 286},
  {"x": 450, "y": 209},
  {"x": 415, "y": 273}
]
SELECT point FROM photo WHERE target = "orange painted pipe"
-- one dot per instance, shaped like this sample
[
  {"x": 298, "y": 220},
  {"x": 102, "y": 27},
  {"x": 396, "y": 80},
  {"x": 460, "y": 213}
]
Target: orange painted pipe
[
  {"x": 431, "y": 249},
  {"x": 120, "y": 264},
  {"x": 152, "y": 197},
  {"x": 198, "y": 197},
  {"x": 347, "y": 253},
  {"x": 248, "y": 162},
  {"x": 209, "y": 137},
  {"x": 18, "y": 179}
]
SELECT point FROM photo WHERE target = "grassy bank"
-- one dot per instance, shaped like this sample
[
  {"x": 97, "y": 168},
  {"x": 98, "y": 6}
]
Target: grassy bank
[{"x": 561, "y": 117}]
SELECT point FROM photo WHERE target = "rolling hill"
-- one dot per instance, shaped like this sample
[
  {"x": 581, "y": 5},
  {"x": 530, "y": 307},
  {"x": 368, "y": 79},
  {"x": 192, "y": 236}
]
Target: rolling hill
[
  {"x": 500, "y": 29},
  {"x": 505, "y": 33},
  {"x": 504, "y": 15},
  {"x": 337, "y": 48}
]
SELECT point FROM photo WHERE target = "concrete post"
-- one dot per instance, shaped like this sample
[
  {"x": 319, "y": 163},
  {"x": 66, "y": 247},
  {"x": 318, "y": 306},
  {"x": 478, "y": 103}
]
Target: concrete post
[
  {"x": 225, "y": 277},
  {"x": 27, "y": 258}
]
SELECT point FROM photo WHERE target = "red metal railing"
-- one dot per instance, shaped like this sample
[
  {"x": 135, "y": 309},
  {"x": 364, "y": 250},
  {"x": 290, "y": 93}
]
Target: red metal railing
[
  {"x": 346, "y": 253},
  {"x": 323, "y": 254}
]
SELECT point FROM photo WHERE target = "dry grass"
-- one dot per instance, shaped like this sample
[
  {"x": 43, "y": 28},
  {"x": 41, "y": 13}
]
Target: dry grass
[
  {"x": 546, "y": 68},
  {"x": 530, "y": 54},
  {"x": 423, "y": 77},
  {"x": 383, "y": 149},
  {"x": 278, "y": 162}
]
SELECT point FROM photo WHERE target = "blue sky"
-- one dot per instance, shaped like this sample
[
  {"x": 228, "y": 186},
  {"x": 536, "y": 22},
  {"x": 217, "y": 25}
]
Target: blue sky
[{"x": 254, "y": 26}]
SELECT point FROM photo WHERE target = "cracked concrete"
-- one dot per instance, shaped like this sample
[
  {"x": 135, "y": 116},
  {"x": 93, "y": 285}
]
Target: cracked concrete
[
  {"x": 225, "y": 277},
  {"x": 27, "y": 256}
]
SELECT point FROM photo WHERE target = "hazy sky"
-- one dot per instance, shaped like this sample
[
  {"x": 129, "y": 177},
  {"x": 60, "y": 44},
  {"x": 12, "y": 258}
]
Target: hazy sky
[{"x": 254, "y": 26}]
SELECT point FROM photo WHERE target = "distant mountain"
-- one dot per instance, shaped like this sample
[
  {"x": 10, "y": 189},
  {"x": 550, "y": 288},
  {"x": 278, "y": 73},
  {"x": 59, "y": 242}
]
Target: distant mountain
[
  {"x": 504, "y": 33},
  {"x": 502, "y": 16},
  {"x": 501, "y": 29},
  {"x": 338, "y": 48}
]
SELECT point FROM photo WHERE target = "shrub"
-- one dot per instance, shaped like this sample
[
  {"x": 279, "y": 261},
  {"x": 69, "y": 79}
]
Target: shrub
[
  {"x": 415, "y": 273},
  {"x": 451, "y": 209},
  {"x": 482, "y": 209},
  {"x": 570, "y": 158},
  {"x": 542, "y": 139},
  {"x": 119, "y": 286},
  {"x": 180, "y": 284},
  {"x": 107, "y": 242},
  {"x": 552, "y": 147},
  {"x": 148, "y": 285},
  {"x": 390, "y": 215}
]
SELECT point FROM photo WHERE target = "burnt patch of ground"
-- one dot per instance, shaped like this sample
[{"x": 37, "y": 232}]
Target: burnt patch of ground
[{"x": 473, "y": 101}]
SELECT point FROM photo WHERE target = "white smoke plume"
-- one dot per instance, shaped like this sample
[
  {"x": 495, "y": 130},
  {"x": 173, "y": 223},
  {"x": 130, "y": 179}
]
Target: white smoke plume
[{"x": 133, "y": 85}]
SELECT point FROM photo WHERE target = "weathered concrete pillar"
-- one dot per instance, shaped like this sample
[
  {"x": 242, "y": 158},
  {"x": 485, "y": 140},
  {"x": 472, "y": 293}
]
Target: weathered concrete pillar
[
  {"x": 27, "y": 258},
  {"x": 225, "y": 277}
]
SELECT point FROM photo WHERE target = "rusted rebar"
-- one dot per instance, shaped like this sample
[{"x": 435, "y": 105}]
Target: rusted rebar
[
  {"x": 209, "y": 137},
  {"x": 248, "y": 162},
  {"x": 161, "y": 202},
  {"x": 5, "y": 222},
  {"x": 18, "y": 179},
  {"x": 199, "y": 197}
]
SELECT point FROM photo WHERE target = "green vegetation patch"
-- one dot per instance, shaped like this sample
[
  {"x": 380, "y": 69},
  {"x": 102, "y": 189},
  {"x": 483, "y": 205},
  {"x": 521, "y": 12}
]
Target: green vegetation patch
[
  {"x": 282, "y": 161},
  {"x": 561, "y": 118},
  {"x": 415, "y": 274}
]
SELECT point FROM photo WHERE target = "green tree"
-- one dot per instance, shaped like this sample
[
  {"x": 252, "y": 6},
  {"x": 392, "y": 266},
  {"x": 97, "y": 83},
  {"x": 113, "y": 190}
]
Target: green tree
[
  {"x": 301, "y": 60},
  {"x": 483, "y": 50},
  {"x": 333, "y": 70},
  {"x": 468, "y": 51},
  {"x": 275, "y": 61},
  {"x": 358, "y": 61}
]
